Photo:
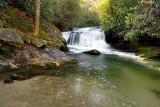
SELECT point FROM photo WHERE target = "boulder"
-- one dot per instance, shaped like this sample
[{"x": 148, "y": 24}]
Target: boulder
[
  {"x": 6, "y": 64},
  {"x": 11, "y": 37},
  {"x": 56, "y": 54},
  {"x": 93, "y": 52},
  {"x": 42, "y": 58},
  {"x": 8, "y": 80},
  {"x": 39, "y": 43},
  {"x": 117, "y": 41}
]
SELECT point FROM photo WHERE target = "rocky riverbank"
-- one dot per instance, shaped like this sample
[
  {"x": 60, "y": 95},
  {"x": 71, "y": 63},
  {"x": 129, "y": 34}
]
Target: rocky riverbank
[
  {"x": 20, "y": 48},
  {"x": 146, "y": 46}
]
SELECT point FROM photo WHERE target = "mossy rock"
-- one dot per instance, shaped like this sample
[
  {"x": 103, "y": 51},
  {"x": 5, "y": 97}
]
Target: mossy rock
[
  {"x": 7, "y": 50},
  {"x": 148, "y": 52},
  {"x": 55, "y": 40},
  {"x": 8, "y": 80},
  {"x": 39, "y": 43},
  {"x": 64, "y": 48},
  {"x": 11, "y": 37},
  {"x": 93, "y": 52}
]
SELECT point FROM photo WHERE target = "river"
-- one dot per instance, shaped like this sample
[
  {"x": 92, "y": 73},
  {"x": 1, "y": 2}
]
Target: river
[{"x": 112, "y": 79}]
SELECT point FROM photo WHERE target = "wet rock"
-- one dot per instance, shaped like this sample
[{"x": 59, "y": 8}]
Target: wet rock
[
  {"x": 20, "y": 77},
  {"x": 8, "y": 80},
  {"x": 6, "y": 64},
  {"x": 42, "y": 58},
  {"x": 64, "y": 48},
  {"x": 93, "y": 52},
  {"x": 149, "y": 40},
  {"x": 117, "y": 40},
  {"x": 11, "y": 37},
  {"x": 108, "y": 36},
  {"x": 56, "y": 54}
]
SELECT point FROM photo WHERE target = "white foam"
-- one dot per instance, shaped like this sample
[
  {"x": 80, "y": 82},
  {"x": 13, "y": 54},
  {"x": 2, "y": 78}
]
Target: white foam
[{"x": 94, "y": 38}]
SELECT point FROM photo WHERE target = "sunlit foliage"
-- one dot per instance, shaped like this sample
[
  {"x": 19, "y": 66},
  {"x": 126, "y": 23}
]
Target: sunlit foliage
[
  {"x": 137, "y": 17},
  {"x": 63, "y": 13}
]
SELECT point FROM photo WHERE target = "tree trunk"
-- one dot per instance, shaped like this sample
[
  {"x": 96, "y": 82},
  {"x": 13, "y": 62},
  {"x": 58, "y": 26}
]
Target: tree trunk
[{"x": 37, "y": 14}]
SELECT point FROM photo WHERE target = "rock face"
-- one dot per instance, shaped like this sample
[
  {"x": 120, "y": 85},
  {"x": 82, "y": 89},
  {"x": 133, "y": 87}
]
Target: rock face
[
  {"x": 12, "y": 56},
  {"x": 147, "y": 46},
  {"x": 20, "y": 48},
  {"x": 47, "y": 58},
  {"x": 43, "y": 58},
  {"x": 39, "y": 43},
  {"x": 10, "y": 37},
  {"x": 117, "y": 40},
  {"x": 56, "y": 54},
  {"x": 93, "y": 52}
]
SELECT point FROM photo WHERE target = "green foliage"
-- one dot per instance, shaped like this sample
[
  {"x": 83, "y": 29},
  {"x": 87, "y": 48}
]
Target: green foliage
[
  {"x": 145, "y": 19},
  {"x": 4, "y": 3},
  {"x": 147, "y": 52},
  {"x": 26, "y": 5},
  {"x": 133, "y": 35},
  {"x": 63, "y": 13},
  {"x": 138, "y": 17},
  {"x": 113, "y": 12}
]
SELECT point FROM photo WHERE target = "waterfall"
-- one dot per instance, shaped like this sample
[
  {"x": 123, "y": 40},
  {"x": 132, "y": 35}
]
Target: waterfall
[{"x": 83, "y": 39}]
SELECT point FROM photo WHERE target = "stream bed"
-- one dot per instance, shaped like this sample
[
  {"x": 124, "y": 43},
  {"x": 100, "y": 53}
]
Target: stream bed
[{"x": 97, "y": 81}]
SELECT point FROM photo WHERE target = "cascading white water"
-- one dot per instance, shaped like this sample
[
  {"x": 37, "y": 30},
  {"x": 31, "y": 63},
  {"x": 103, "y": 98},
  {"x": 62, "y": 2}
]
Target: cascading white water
[{"x": 84, "y": 39}]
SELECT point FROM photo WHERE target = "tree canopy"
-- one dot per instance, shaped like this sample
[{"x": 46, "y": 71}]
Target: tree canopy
[{"x": 137, "y": 17}]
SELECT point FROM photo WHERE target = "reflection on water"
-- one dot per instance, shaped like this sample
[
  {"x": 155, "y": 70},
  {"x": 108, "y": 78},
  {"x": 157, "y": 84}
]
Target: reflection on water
[{"x": 97, "y": 81}]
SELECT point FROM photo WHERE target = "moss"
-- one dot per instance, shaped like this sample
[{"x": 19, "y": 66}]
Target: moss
[
  {"x": 21, "y": 34},
  {"x": 92, "y": 52},
  {"x": 7, "y": 50},
  {"x": 16, "y": 21},
  {"x": 46, "y": 36},
  {"x": 39, "y": 43},
  {"x": 43, "y": 28},
  {"x": 64, "y": 48},
  {"x": 1, "y": 24},
  {"x": 71, "y": 62},
  {"x": 147, "y": 52},
  {"x": 18, "y": 45},
  {"x": 50, "y": 65}
]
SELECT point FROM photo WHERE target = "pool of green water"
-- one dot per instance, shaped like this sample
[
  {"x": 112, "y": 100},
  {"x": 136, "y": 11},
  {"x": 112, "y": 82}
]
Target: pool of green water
[{"x": 97, "y": 81}]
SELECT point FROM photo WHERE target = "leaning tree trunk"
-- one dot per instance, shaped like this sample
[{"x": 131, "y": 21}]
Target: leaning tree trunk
[{"x": 36, "y": 32}]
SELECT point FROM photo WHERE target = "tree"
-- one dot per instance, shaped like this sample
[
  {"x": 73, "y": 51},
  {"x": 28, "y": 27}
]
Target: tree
[{"x": 37, "y": 14}]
